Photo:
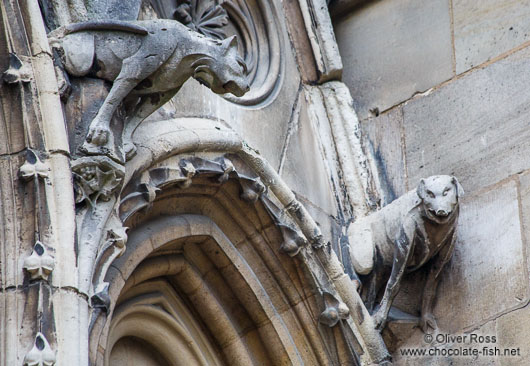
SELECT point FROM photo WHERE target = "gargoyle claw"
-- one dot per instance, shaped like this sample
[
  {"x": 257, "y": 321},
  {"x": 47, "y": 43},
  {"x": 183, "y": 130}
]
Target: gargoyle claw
[{"x": 98, "y": 135}]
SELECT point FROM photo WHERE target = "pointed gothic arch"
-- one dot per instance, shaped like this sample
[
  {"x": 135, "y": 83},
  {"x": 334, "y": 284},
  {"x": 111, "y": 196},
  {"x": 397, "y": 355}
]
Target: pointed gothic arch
[{"x": 209, "y": 232}]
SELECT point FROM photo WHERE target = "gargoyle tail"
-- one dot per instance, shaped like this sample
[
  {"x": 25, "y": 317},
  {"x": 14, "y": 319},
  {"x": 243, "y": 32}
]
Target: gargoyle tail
[{"x": 113, "y": 25}]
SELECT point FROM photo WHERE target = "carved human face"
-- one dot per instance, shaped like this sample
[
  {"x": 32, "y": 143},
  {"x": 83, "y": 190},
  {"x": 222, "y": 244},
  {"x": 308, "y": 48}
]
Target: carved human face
[
  {"x": 225, "y": 74},
  {"x": 439, "y": 194}
]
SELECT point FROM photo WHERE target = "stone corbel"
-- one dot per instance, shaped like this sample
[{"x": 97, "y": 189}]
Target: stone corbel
[{"x": 41, "y": 354}]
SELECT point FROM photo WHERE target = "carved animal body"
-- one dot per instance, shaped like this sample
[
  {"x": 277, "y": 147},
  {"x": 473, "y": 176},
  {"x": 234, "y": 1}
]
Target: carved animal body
[
  {"x": 147, "y": 61},
  {"x": 416, "y": 228}
]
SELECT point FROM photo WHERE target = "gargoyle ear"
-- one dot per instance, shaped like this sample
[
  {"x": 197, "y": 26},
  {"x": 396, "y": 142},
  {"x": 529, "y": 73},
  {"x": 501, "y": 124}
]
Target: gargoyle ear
[
  {"x": 459, "y": 189},
  {"x": 421, "y": 189},
  {"x": 231, "y": 42}
]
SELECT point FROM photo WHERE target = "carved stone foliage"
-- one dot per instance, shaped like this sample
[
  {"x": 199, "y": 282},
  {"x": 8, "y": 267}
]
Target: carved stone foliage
[
  {"x": 140, "y": 195},
  {"x": 41, "y": 354},
  {"x": 40, "y": 263},
  {"x": 257, "y": 26},
  {"x": 96, "y": 178}
]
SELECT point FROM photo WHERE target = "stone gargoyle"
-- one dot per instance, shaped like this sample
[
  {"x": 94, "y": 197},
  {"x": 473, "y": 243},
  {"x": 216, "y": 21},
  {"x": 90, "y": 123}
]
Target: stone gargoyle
[
  {"x": 148, "y": 62},
  {"x": 417, "y": 228}
]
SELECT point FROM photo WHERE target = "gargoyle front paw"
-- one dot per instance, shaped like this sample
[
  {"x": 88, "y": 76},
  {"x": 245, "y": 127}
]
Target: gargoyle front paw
[
  {"x": 379, "y": 320},
  {"x": 98, "y": 134},
  {"x": 428, "y": 321}
]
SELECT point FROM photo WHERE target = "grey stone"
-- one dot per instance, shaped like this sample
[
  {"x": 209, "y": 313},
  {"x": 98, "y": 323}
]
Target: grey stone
[
  {"x": 488, "y": 28},
  {"x": 473, "y": 127},
  {"x": 305, "y": 168},
  {"x": 382, "y": 137},
  {"x": 147, "y": 60},
  {"x": 414, "y": 231},
  {"x": 476, "y": 287},
  {"x": 476, "y": 339},
  {"x": 114, "y": 9},
  {"x": 513, "y": 334},
  {"x": 395, "y": 49}
]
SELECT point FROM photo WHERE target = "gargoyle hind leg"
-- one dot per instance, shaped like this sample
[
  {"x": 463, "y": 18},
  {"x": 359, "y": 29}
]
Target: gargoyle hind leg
[
  {"x": 147, "y": 105},
  {"x": 133, "y": 71},
  {"x": 403, "y": 248}
]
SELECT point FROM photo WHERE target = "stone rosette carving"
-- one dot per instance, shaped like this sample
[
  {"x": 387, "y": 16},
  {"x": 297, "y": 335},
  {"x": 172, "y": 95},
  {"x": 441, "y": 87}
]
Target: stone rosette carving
[
  {"x": 40, "y": 263},
  {"x": 205, "y": 17},
  {"x": 41, "y": 354},
  {"x": 96, "y": 178}
]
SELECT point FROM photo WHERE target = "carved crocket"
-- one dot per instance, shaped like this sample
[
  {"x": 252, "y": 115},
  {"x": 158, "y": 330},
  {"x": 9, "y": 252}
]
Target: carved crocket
[
  {"x": 417, "y": 228},
  {"x": 148, "y": 62}
]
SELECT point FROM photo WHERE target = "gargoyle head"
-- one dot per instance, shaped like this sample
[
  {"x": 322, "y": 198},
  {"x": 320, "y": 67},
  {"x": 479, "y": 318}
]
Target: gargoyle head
[
  {"x": 226, "y": 73},
  {"x": 439, "y": 195}
]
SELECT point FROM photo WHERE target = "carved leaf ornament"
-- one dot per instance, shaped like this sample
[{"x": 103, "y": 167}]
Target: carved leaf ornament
[
  {"x": 39, "y": 264},
  {"x": 41, "y": 354}
]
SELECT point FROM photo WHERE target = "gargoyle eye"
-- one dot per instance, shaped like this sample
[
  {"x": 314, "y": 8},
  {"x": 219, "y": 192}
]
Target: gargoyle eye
[
  {"x": 243, "y": 65},
  {"x": 431, "y": 194},
  {"x": 446, "y": 191}
]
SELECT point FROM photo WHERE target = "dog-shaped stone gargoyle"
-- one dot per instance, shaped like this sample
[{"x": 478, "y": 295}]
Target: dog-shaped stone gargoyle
[
  {"x": 148, "y": 62},
  {"x": 416, "y": 229}
]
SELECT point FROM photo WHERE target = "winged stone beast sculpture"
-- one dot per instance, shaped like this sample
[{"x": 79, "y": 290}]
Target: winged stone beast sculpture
[
  {"x": 148, "y": 62},
  {"x": 416, "y": 229}
]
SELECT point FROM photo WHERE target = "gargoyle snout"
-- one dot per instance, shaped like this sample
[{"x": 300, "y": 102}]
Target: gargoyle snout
[
  {"x": 442, "y": 213},
  {"x": 236, "y": 89}
]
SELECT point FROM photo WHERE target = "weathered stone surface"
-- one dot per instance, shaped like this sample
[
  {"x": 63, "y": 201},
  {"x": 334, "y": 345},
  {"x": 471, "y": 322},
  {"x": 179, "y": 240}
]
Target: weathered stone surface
[
  {"x": 489, "y": 250},
  {"x": 395, "y": 49},
  {"x": 488, "y": 28},
  {"x": 512, "y": 333},
  {"x": 382, "y": 137},
  {"x": 524, "y": 193},
  {"x": 473, "y": 341},
  {"x": 304, "y": 169},
  {"x": 474, "y": 127}
]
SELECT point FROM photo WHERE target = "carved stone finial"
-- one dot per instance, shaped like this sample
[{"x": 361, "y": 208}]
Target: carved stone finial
[
  {"x": 41, "y": 354},
  {"x": 39, "y": 264},
  {"x": 33, "y": 167},
  {"x": 335, "y": 310},
  {"x": 17, "y": 71}
]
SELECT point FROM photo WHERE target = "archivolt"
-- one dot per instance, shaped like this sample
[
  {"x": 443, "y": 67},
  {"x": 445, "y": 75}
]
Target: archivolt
[{"x": 201, "y": 224}]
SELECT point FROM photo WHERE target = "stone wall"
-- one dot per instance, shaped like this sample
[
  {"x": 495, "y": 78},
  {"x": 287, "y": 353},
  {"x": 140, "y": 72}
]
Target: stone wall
[{"x": 441, "y": 88}]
